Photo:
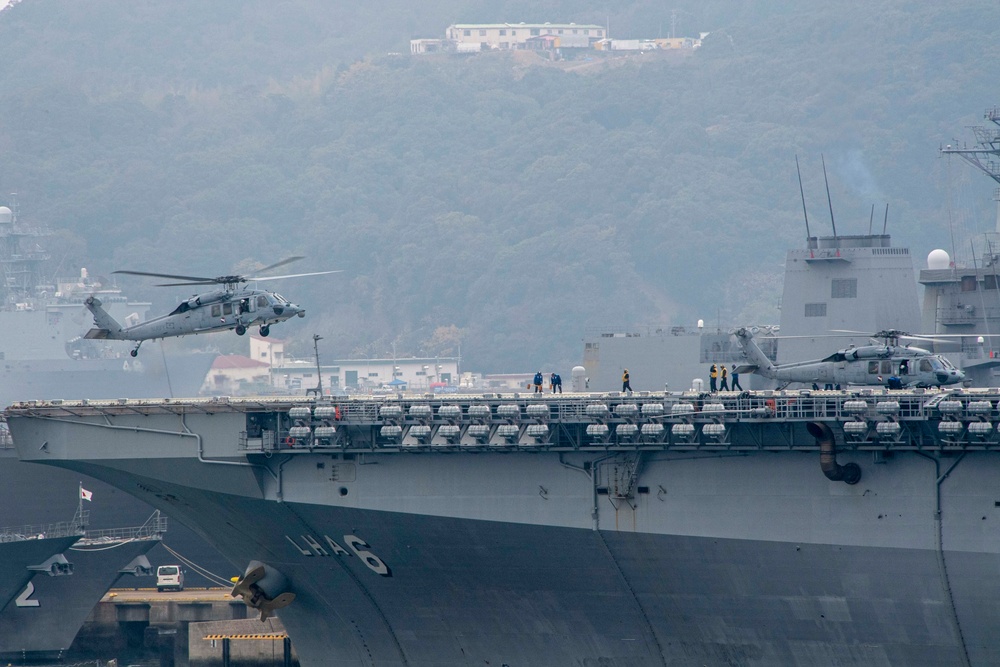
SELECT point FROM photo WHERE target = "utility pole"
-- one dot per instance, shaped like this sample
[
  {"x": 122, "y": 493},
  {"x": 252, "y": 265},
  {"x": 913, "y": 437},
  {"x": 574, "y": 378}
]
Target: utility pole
[{"x": 319, "y": 374}]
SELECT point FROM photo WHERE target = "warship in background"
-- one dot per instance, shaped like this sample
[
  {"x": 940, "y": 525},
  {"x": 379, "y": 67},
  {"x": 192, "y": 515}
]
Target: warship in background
[
  {"x": 961, "y": 295},
  {"x": 30, "y": 549},
  {"x": 42, "y": 622},
  {"x": 43, "y": 319}
]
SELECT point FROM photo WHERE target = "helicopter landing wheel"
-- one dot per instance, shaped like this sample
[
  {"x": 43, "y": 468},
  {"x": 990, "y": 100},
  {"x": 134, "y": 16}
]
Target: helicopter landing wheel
[
  {"x": 264, "y": 330},
  {"x": 135, "y": 352},
  {"x": 240, "y": 329}
]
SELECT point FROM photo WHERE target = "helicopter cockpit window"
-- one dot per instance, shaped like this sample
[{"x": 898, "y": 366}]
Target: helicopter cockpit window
[
  {"x": 873, "y": 368},
  {"x": 280, "y": 298},
  {"x": 216, "y": 310},
  {"x": 261, "y": 301},
  {"x": 227, "y": 309},
  {"x": 946, "y": 363},
  {"x": 925, "y": 366}
]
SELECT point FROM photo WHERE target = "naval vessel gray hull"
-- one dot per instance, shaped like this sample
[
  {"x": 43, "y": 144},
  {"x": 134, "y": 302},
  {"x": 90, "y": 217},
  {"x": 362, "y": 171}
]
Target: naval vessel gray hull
[
  {"x": 45, "y": 618},
  {"x": 17, "y": 557},
  {"x": 742, "y": 555}
]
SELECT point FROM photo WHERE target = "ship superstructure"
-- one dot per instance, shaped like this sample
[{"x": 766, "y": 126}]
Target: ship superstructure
[
  {"x": 762, "y": 528},
  {"x": 854, "y": 282}
]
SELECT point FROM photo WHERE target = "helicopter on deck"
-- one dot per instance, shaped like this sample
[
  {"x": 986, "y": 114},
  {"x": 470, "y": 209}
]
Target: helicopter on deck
[
  {"x": 886, "y": 364},
  {"x": 235, "y": 306}
]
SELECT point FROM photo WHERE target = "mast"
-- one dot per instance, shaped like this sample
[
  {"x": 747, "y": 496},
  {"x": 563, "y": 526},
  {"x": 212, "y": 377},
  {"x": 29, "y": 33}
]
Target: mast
[
  {"x": 802, "y": 194},
  {"x": 828, "y": 200}
]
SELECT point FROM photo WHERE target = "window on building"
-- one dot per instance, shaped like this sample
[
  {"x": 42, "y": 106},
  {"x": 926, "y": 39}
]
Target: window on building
[
  {"x": 815, "y": 310},
  {"x": 586, "y": 31},
  {"x": 503, "y": 33},
  {"x": 600, "y": 33},
  {"x": 482, "y": 33},
  {"x": 560, "y": 31},
  {"x": 575, "y": 31},
  {"x": 513, "y": 33},
  {"x": 466, "y": 32},
  {"x": 844, "y": 288},
  {"x": 989, "y": 282},
  {"x": 968, "y": 283},
  {"x": 535, "y": 32}
]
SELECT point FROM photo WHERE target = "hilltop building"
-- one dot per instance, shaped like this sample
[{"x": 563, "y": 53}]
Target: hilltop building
[{"x": 476, "y": 37}]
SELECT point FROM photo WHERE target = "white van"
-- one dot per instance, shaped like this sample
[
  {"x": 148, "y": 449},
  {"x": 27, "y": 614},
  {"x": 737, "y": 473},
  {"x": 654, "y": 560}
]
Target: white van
[{"x": 169, "y": 577}]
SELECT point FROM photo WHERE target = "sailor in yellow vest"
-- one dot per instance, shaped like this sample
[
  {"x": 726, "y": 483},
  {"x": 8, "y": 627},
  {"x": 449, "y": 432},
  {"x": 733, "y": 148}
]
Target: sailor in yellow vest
[
  {"x": 724, "y": 385},
  {"x": 626, "y": 385},
  {"x": 713, "y": 375}
]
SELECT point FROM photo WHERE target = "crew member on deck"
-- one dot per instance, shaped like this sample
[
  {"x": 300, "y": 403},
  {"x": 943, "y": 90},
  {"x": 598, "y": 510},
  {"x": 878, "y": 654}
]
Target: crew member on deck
[
  {"x": 713, "y": 375},
  {"x": 724, "y": 385},
  {"x": 736, "y": 379},
  {"x": 626, "y": 385},
  {"x": 538, "y": 382},
  {"x": 556, "y": 383}
]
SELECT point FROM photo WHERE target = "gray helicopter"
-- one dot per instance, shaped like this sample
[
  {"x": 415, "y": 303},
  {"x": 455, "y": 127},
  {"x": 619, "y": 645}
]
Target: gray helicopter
[
  {"x": 235, "y": 307},
  {"x": 887, "y": 364}
]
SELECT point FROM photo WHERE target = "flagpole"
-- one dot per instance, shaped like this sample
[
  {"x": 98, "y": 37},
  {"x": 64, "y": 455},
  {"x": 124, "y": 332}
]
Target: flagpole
[{"x": 79, "y": 505}]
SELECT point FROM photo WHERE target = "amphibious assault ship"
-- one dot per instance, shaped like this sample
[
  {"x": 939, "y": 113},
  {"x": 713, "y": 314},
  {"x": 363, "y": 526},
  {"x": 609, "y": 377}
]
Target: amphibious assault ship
[
  {"x": 759, "y": 528},
  {"x": 45, "y": 617}
]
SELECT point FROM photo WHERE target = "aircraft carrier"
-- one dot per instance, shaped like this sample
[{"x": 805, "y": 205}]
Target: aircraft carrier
[
  {"x": 45, "y": 617},
  {"x": 758, "y": 528}
]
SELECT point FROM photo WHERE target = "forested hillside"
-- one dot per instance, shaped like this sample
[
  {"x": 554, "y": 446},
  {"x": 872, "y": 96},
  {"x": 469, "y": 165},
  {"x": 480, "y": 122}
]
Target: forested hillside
[{"x": 489, "y": 200}]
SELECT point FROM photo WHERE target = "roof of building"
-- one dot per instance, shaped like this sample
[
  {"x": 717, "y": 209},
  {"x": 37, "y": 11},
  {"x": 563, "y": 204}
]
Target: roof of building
[
  {"x": 228, "y": 361},
  {"x": 487, "y": 26}
]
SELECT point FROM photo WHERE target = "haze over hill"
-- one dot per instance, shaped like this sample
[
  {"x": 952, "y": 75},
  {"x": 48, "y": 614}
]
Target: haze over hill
[{"x": 485, "y": 200}]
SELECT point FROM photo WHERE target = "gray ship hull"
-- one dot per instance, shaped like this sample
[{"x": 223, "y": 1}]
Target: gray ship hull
[
  {"x": 43, "y": 622},
  {"x": 461, "y": 558},
  {"x": 17, "y": 557}
]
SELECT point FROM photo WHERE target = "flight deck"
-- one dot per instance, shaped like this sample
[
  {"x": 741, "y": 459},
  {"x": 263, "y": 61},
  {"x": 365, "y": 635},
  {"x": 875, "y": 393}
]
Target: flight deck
[{"x": 863, "y": 419}]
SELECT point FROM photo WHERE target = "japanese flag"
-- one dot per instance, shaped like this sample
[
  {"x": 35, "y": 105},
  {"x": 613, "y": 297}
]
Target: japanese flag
[{"x": 86, "y": 495}]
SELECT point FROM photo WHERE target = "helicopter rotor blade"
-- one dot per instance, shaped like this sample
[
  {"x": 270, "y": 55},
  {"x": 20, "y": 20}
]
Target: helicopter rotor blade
[
  {"x": 200, "y": 282},
  {"x": 195, "y": 279},
  {"x": 292, "y": 275},
  {"x": 287, "y": 260}
]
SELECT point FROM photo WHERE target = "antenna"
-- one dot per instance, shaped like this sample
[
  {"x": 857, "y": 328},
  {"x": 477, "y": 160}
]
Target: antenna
[
  {"x": 828, "y": 200},
  {"x": 886, "y": 220},
  {"x": 871, "y": 219},
  {"x": 803, "y": 195}
]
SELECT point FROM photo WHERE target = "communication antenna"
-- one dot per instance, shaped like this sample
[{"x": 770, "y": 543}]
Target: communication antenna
[
  {"x": 803, "y": 195},
  {"x": 871, "y": 219},
  {"x": 885, "y": 221},
  {"x": 828, "y": 200}
]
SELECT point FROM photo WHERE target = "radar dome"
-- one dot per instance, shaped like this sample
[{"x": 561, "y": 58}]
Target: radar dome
[
  {"x": 6, "y": 216},
  {"x": 938, "y": 259}
]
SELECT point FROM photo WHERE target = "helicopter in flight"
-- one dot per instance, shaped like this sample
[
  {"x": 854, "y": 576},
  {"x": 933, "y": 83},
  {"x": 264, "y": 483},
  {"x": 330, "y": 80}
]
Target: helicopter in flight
[
  {"x": 887, "y": 364},
  {"x": 235, "y": 306}
]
